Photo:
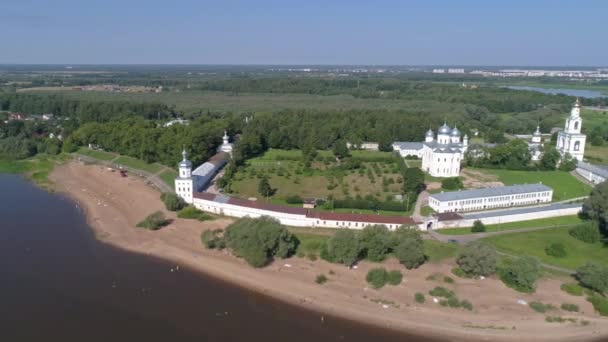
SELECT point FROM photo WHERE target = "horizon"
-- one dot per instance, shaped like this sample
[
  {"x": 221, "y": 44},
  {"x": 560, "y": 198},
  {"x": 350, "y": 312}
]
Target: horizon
[{"x": 271, "y": 32}]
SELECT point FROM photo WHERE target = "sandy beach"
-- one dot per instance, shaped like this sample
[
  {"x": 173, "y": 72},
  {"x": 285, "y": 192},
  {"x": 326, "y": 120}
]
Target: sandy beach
[{"x": 114, "y": 205}]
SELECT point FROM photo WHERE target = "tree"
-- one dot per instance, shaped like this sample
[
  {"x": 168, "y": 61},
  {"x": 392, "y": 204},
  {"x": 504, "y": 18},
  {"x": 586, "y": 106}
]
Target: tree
[
  {"x": 410, "y": 253},
  {"x": 568, "y": 163},
  {"x": 154, "y": 221},
  {"x": 521, "y": 273},
  {"x": 340, "y": 150},
  {"x": 264, "y": 188},
  {"x": 258, "y": 240},
  {"x": 478, "y": 259},
  {"x": 550, "y": 158},
  {"x": 587, "y": 232},
  {"x": 595, "y": 206},
  {"x": 478, "y": 227},
  {"x": 413, "y": 180},
  {"x": 172, "y": 201},
  {"x": 377, "y": 277},
  {"x": 452, "y": 183},
  {"x": 593, "y": 276},
  {"x": 375, "y": 242},
  {"x": 344, "y": 247}
]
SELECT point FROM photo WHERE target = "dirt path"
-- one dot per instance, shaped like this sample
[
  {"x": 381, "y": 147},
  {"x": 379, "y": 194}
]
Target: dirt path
[{"x": 115, "y": 204}]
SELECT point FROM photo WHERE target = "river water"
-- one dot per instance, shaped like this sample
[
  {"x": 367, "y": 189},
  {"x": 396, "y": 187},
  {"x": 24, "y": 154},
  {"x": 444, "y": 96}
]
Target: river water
[
  {"x": 58, "y": 283},
  {"x": 592, "y": 94}
]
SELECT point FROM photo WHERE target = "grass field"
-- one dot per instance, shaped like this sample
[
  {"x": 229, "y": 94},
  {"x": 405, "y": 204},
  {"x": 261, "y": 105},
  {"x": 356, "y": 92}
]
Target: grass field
[
  {"x": 597, "y": 154},
  {"x": 101, "y": 155},
  {"x": 168, "y": 176},
  {"x": 437, "y": 251},
  {"x": 565, "y": 186},
  {"x": 36, "y": 168},
  {"x": 534, "y": 244},
  {"x": 138, "y": 164},
  {"x": 545, "y": 222},
  {"x": 414, "y": 163}
]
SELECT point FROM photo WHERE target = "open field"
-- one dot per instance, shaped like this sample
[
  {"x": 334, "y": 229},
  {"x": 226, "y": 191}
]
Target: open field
[
  {"x": 197, "y": 101},
  {"x": 565, "y": 186},
  {"x": 593, "y": 118},
  {"x": 168, "y": 176},
  {"x": 287, "y": 174},
  {"x": 545, "y": 222},
  {"x": 138, "y": 164},
  {"x": 534, "y": 244},
  {"x": 597, "y": 154},
  {"x": 437, "y": 251},
  {"x": 36, "y": 168},
  {"x": 101, "y": 155}
]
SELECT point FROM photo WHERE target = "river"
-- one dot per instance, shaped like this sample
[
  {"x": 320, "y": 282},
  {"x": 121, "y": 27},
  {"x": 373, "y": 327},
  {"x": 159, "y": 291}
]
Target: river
[
  {"x": 592, "y": 94},
  {"x": 59, "y": 283}
]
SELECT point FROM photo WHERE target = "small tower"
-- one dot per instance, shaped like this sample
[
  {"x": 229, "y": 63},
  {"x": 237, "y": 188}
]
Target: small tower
[
  {"x": 430, "y": 136},
  {"x": 465, "y": 143},
  {"x": 226, "y": 145},
  {"x": 225, "y": 138},
  {"x": 571, "y": 140},
  {"x": 537, "y": 136},
  {"x": 184, "y": 183}
]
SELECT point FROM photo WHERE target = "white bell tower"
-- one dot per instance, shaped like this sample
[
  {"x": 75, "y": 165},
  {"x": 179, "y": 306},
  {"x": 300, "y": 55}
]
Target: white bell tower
[
  {"x": 183, "y": 182},
  {"x": 571, "y": 140}
]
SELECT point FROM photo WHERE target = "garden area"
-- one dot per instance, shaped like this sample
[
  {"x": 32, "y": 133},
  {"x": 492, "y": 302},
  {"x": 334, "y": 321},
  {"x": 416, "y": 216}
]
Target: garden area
[{"x": 544, "y": 222}]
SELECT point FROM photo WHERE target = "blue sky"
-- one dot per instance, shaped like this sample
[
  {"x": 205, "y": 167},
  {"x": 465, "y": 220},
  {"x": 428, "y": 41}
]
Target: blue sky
[{"x": 465, "y": 32}]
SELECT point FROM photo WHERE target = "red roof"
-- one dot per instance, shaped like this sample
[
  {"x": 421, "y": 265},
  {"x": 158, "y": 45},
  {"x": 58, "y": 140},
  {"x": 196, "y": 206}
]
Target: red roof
[
  {"x": 449, "y": 216},
  {"x": 204, "y": 196},
  {"x": 266, "y": 206},
  {"x": 361, "y": 217}
]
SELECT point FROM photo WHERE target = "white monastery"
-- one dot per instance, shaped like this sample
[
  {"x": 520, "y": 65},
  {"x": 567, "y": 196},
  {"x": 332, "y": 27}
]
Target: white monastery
[
  {"x": 571, "y": 140},
  {"x": 441, "y": 157}
]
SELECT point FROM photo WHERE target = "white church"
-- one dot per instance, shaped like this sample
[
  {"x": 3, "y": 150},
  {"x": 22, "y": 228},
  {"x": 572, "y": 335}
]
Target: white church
[
  {"x": 571, "y": 140},
  {"x": 441, "y": 156}
]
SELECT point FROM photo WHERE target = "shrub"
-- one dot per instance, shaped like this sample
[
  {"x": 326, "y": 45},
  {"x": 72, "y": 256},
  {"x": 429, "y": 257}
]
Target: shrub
[
  {"x": 213, "y": 239},
  {"x": 448, "y": 280},
  {"x": 258, "y": 240},
  {"x": 344, "y": 247},
  {"x": 556, "y": 250},
  {"x": 375, "y": 242},
  {"x": 521, "y": 274},
  {"x": 570, "y": 307},
  {"x": 294, "y": 199},
  {"x": 478, "y": 227},
  {"x": 321, "y": 279},
  {"x": 572, "y": 288},
  {"x": 394, "y": 277},
  {"x": 540, "y": 307},
  {"x": 457, "y": 271},
  {"x": 172, "y": 201},
  {"x": 441, "y": 292},
  {"x": 154, "y": 221},
  {"x": 600, "y": 304},
  {"x": 593, "y": 276},
  {"x": 478, "y": 259},
  {"x": 467, "y": 305},
  {"x": 377, "y": 277},
  {"x": 190, "y": 212},
  {"x": 410, "y": 253},
  {"x": 588, "y": 232},
  {"x": 453, "y": 183},
  {"x": 419, "y": 298}
]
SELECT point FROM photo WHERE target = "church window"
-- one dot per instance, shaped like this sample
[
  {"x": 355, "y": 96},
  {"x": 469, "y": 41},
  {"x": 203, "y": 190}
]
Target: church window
[
  {"x": 577, "y": 145},
  {"x": 576, "y": 125}
]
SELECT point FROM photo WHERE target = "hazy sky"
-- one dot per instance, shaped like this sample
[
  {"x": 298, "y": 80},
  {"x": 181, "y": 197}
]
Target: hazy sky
[{"x": 468, "y": 32}]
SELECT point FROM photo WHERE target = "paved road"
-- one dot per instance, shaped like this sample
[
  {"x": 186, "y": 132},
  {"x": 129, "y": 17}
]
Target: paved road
[{"x": 152, "y": 178}]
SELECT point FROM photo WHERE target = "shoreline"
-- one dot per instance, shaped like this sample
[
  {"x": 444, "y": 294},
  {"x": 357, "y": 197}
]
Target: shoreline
[{"x": 112, "y": 214}]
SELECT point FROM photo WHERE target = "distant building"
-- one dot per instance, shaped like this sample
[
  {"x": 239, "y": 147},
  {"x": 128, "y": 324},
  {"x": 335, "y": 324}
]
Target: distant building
[
  {"x": 188, "y": 181},
  {"x": 366, "y": 145},
  {"x": 593, "y": 173},
  {"x": 226, "y": 145},
  {"x": 176, "y": 121},
  {"x": 47, "y": 117},
  {"x": 438, "y": 71},
  {"x": 455, "y": 71},
  {"x": 571, "y": 140},
  {"x": 490, "y": 198}
]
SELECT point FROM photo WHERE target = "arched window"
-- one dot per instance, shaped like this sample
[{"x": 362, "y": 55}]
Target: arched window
[
  {"x": 576, "y": 125},
  {"x": 577, "y": 145}
]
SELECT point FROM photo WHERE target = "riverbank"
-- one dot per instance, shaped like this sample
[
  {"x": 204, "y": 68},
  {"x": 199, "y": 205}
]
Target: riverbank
[{"x": 114, "y": 204}]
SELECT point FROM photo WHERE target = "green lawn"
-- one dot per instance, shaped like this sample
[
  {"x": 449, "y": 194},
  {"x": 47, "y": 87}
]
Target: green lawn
[
  {"x": 564, "y": 185},
  {"x": 310, "y": 243},
  {"x": 168, "y": 176},
  {"x": 597, "y": 154},
  {"x": 36, "y": 168},
  {"x": 534, "y": 244},
  {"x": 426, "y": 211},
  {"x": 101, "y": 155},
  {"x": 437, "y": 251},
  {"x": 414, "y": 163},
  {"x": 138, "y": 164},
  {"x": 551, "y": 221}
]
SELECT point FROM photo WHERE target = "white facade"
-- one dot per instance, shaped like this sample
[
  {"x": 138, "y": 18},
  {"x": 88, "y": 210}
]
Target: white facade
[
  {"x": 535, "y": 145},
  {"x": 571, "y": 140},
  {"x": 593, "y": 173},
  {"x": 490, "y": 198},
  {"x": 184, "y": 184},
  {"x": 226, "y": 145}
]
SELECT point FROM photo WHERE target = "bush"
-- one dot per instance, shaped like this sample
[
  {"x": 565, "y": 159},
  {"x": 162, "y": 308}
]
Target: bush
[
  {"x": 521, "y": 274},
  {"x": 321, "y": 279},
  {"x": 467, "y": 305},
  {"x": 377, "y": 277},
  {"x": 154, "y": 221},
  {"x": 344, "y": 247},
  {"x": 572, "y": 288},
  {"x": 478, "y": 227},
  {"x": 600, "y": 304},
  {"x": 190, "y": 212},
  {"x": 441, "y": 292},
  {"x": 540, "y": 307},
  {"x": 419, "y": 298},
  {"x": 556, "y": 250},
  {"x": 448, "y": 280},
  {"x": 593, "y": 276},
  {"x": 375, "y": 242},
  {"x": 410, "y": 253},
  {"x": 588, "y": 232},
  {"x": 457, "y": 271},
  {"x": 394, "y": 277},
  {"x": 453, "y": 183},
  {"x": 172, "y": 201},
  {"x": 213, "y": 239},
  {"x": 294, "y": 199},
  {"x": 570, "y": 307},
  {"x": 259, "y": 240},
  {"x": 478, "y": 259}
]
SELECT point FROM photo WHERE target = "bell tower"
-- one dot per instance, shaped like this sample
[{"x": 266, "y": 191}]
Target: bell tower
[
  {"x": 184, "y": 183},
  {"x": 571, "y": 140}
]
